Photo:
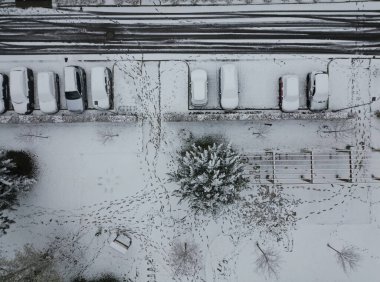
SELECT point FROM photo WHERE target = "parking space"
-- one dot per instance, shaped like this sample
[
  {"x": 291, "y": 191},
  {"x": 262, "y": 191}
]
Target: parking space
[{"x": 259, "y": 80}]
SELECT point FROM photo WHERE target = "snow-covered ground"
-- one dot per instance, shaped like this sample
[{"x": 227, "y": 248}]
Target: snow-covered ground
[{"x": 96, "y": 178}]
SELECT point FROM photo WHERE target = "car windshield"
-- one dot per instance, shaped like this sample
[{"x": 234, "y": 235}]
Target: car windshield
[{"x": 72, "y": 95}]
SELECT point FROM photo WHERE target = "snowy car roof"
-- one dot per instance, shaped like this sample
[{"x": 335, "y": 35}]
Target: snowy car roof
[
  {"x": 70, "y": 79},
  {"x": 45, "y": 86},
  {"x": 229, "y": 82},
  {"x": 322, "y": 83},
  {"x": 291, "y": 85},
  {"x": 98, "y": 86},
  {"x": 18, "y": 86},
  {"x": 198, "y": 80}
]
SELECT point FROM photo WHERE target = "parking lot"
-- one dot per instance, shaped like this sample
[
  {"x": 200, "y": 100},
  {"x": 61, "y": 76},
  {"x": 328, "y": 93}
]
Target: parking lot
[
  {"x": 259, "y": 80},
  {"x": 56, "y": 66},
  {"x": 169, "y": 81}
]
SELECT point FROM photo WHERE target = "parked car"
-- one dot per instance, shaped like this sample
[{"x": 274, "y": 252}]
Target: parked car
[
  {"x": 75, "y": 89},
  {"x": 101, "y": 88},
  {"x": 48, "y": 92},
  {"x": 4, "y": 93},
  {"x": 229, "y": 87},
  {"x": 289, "y": 93},
  {"x": 198, "y": 88},
  {"x": 317, "y": 91},
  {"x": 21, "y": 86}
]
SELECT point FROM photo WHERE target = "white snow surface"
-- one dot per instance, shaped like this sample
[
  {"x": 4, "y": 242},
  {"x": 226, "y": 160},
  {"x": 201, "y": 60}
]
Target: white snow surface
[{"x": 108, "y": 177}]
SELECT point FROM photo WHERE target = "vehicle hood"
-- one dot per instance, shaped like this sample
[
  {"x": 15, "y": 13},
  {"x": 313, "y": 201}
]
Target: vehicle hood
[
  {"x": 2, "y": 106},
  {"x": 229, "y": 103},
  {"x": 103, "y": 104},
  {"x": 21, "y": 108},
  {"x": 49, "y": 107},
  {"x": 317, "y": 105},
  {"x": 290, "y": 106},
  {"x": 76, "y": 106}
]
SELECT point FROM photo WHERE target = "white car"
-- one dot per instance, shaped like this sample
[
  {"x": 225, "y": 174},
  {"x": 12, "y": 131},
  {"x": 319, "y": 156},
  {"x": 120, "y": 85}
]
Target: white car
[
  {"x": 48, "y": 92},
  {"x": 198, "y": 88},
  {"x": 4, "y": 93},
  {"x": 317, "y": 91},
  {"x": 229, "y": 87},
  {"x": 101, "y": 89},
  {"x": 289, "y": 93},
  {"x": 75, "y": 89},
  {"x": 21, "y": 84}
]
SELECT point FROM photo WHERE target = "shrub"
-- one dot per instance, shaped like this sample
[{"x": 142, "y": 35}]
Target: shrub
[
  {"x": 210, "y": 175},
  {"x": 29, "y": 265},
  {"x": 23, "y": 163}
]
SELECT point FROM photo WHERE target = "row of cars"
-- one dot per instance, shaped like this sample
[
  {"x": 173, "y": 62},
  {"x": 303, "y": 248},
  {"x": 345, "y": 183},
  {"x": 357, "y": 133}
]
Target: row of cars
[
  {"x": 289, "y": 92},
  {"x": 19, "y": 90}
]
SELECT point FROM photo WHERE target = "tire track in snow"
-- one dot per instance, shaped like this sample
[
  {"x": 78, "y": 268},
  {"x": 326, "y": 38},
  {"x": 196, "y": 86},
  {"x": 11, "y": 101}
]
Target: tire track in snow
[{"x": 350, "y": 32}]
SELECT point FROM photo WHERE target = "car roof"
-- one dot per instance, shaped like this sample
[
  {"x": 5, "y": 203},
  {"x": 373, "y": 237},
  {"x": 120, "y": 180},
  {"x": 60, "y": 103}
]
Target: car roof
[
  {"x": 322, "y": 83},
  {"x": 98, "y": 83},
  {"x": 198, "y": 74},
  {"x": 18, "y": 87},
  {"x": 97, "y": 74},
  {"x": 199, "y": 91},
  {"x": 228, "y": 78},
  {"x": 291, "y": 84},
  {"x": 70, "y": 80},
  {"x": 45, "y": 86}
]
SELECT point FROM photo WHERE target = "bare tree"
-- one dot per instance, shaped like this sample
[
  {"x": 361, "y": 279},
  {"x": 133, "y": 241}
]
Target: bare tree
[
  {"x": 29, "y": 265},
  {"x": 270, "y": 210},
  {"x": 268, "y": 262},
  {"x": 348, "y": 257},
  {"x": 260, "y": 130},
  {"x": 32, "y": 135},
  {"x": 185, "y": 258},
  {"x": 339, "y": 129},
  {"x": 107, "y": 135}
]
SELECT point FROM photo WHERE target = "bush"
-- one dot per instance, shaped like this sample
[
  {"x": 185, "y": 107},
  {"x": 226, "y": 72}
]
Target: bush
[
  {"x": 29, "y": 264},
  {"x": 210, "y": 174},
  {"x": 23, "y": 163}
]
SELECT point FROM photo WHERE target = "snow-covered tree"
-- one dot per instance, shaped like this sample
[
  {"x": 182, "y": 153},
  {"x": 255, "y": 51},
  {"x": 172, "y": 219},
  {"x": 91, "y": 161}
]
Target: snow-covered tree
[
  {"x": 16, "y": 177},
  {"x": 210, "y": 175},
  {"x": 29, "y": 265}
]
